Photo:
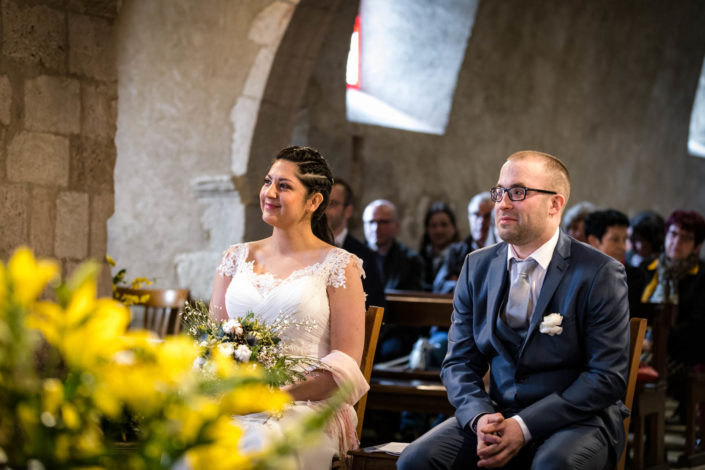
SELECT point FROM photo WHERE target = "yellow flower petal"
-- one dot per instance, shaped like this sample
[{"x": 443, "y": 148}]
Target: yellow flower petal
[{"x": 29, "y": 276}]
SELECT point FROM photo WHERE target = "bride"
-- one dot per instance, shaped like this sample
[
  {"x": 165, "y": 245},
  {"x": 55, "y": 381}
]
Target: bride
[{"x": 297, "y": 272}]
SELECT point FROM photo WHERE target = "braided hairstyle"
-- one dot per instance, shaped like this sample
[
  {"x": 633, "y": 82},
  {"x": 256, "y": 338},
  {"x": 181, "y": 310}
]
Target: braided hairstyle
[{"x": 315, "y": 174}]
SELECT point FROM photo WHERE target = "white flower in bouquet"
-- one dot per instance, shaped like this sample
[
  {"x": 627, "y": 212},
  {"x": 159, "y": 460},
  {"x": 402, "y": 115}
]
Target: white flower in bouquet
[
  {"x": 227, "y": 349},
  {"x": 243, "y": 353},
  {"x": 233, "y": 327},
  {"x": 199, "y": 362}
]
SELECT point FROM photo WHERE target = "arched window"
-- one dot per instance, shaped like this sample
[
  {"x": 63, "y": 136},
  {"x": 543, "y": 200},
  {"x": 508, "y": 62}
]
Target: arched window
[
  {"x": 352, "y": 73},
  {"x": 409, "y": 55},
  {"x": 696, "y": 135}
]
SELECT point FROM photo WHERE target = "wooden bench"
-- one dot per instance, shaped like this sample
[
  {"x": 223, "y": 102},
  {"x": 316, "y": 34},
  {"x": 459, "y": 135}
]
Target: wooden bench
[{"x": 398, "y": 388}]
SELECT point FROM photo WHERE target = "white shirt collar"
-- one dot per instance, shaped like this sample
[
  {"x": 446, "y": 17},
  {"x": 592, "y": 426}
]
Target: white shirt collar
[
  {"x": 340, "y": 238},
  {"x": 542, "y": 254}
]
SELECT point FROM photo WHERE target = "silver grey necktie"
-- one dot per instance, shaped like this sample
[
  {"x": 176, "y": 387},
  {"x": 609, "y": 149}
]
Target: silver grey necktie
[{"x": 519, "y": 301}]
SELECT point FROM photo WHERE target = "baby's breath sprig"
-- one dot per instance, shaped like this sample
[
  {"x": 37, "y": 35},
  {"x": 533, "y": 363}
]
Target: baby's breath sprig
[{"x": 248, "y": 339}]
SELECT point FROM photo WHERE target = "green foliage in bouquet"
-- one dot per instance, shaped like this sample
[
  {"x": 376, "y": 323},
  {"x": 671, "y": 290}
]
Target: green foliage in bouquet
[{"x": 248, "y": 340}]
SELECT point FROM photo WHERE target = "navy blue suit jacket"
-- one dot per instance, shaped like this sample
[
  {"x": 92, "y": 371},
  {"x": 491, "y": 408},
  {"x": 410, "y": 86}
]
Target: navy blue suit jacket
[{"x": 550, "y": 381}]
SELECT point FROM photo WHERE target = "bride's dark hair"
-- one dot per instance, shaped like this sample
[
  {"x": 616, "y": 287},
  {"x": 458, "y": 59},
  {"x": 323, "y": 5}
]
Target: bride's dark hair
[{"x": 315, "y": 174}]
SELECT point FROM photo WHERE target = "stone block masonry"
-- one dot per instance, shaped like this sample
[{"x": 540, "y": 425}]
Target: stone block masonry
[{"x": 58, "y": 101}]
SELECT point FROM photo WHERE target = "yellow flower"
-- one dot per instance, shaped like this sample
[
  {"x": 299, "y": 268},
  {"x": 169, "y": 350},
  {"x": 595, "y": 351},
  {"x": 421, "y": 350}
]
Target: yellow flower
[
  {"x": 63, "y": 447},
  {"x": 29, "y": 276},
  {"x": 189, "y": 417},
  {"x": 254, "y": 398},
  {"x": 90, "y": 441},
  {"x": 3, "y": 287},
  {"x": 223, "y": 452},
  {"x": 52, "y": 395},
  {"x": 139, "y": 281},
  {"x": 88, "y": 332},
  {"x": 70, "y": 416},
  {"x": 109, "y": 260}
]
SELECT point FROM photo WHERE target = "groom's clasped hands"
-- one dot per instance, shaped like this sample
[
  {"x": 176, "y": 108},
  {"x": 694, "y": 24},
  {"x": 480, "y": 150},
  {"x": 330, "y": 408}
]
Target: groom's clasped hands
[{"x": 498, "y": 440}]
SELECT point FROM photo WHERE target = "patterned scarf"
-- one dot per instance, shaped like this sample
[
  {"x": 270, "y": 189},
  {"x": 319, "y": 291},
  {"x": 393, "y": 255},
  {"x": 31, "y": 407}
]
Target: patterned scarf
[{"x": 670, "y": 271}]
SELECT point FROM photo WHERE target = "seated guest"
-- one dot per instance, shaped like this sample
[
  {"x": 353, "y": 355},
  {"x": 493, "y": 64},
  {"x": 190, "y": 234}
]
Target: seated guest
[
  {"x": 440, "y": 231},
  {"x": 479, "y": 217},
  {"x": 606, "y": 230},
  {"x": 340, "y": 209},
  {"x": 678, "y": 277},
  {"x": 574, "y": 220},
  {"x": 646, "y": 233},
  {"x": 548, "y": 317},
  {"x": 401, "y": 267}
]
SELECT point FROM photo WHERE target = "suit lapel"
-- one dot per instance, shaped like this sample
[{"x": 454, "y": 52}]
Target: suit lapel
[
  {"x": 497, "y": 275},
  {"x": 556, "y": 269}
]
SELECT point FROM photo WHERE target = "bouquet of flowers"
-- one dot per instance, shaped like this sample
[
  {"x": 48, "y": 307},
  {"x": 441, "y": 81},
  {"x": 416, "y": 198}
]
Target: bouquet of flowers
[
  {"x": 248, "y": 340},
  {"x": 69, "y": 364}
]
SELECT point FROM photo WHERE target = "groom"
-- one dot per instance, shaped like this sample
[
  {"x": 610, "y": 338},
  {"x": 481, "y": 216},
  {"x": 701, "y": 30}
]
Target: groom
[{"x": 549, "y": 316}]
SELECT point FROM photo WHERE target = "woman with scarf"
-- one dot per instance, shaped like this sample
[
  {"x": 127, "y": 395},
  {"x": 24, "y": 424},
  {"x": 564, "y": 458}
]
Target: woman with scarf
[{"x": 678, "y": 277}]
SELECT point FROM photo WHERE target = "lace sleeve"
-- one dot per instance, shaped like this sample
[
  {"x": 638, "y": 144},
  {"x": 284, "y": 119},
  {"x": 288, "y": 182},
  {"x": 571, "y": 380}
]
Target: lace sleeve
[
  {"x": 339, "y": 261},
  {"x": 231, "y": 259}
]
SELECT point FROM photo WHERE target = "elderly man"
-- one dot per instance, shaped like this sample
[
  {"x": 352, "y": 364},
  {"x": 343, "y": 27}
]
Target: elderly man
[
  {"x": 479, "y": 217},
  {"x": 401, "y": 267},
  {"x": 339, "y": 211},
  {"x": 549, "y": 317}
]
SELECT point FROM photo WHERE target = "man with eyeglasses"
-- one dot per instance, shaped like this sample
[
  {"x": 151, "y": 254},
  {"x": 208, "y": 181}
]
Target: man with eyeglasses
[
  {"x": 549, "y": 317},
  {"x": 401, "y": 269},
  {"x": 479, "y": 218}
]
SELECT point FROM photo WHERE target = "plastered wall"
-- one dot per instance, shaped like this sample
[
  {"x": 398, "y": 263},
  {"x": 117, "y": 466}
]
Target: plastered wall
[
  {"x": 606, "y": 86},
  {"x": 191, "y": 77}
]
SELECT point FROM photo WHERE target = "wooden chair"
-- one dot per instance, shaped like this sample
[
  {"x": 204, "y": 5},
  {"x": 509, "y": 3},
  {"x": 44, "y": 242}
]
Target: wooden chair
[
  {"x": 694, "y": 454},
  {"x": 161, "y": 308},
  {"x": 637, "y": 328},
  {"x": 373, "y": 323},
  {"x": 637, "y": 331},
  {"x": 649, "y": 410}
]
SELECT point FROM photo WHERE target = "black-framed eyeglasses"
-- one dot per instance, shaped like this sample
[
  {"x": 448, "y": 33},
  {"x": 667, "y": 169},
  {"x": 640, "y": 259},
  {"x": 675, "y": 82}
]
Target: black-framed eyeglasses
[{"x": 515, "y": 193}]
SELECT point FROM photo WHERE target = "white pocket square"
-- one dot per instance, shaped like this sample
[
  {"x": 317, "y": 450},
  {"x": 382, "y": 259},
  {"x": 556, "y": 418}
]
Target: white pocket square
[{"x": 551, "y": 324}]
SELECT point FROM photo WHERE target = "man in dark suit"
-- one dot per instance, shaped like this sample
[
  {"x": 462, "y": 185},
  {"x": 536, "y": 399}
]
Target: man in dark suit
[
  {"x": 340, "y": 209},
  {"x": 401, "y": 267},
  {"x": 606, "y": 230},
  {"x": 549, "y": 317},
  {"x": 479, "y": 219}
]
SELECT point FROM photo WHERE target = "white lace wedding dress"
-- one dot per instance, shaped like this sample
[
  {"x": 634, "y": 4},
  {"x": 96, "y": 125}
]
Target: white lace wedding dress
[{"x": 302, "y": 297}]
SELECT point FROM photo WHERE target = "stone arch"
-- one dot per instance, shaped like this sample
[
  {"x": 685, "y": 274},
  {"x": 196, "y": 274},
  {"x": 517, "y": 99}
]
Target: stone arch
[
  {"x": 206, "y": 96},
  {"x": 281, "y": 100}
]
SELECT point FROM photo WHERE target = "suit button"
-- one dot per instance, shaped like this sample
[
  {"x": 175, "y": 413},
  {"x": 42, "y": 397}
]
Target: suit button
[{"x": 520, "y": 379}]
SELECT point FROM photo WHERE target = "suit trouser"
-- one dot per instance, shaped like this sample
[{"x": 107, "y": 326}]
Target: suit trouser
[{"x": 448, "y": 446}]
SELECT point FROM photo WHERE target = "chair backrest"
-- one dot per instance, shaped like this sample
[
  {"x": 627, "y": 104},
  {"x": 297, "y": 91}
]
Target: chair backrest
[
  {"x": 661, "y": 318},
  {"x": 412, "y": 308},
  {"x": 162, "y": 308},
  {"x": 637, "y": 330},
  {"x": 373, "y": 323}
]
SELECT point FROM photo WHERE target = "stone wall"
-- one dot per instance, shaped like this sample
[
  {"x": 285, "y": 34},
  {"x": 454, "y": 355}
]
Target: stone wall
[
  {"x": 58, "y": 99},
  {"x": 608, "y": 86}
]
